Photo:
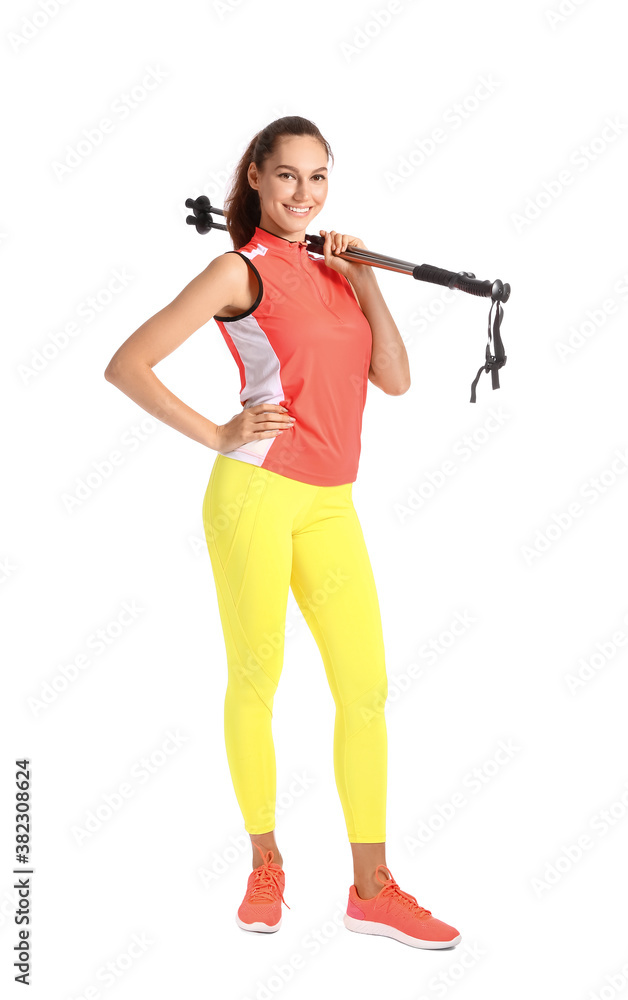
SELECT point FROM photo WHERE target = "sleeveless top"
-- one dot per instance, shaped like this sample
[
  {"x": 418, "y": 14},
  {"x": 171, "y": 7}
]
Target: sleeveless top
[{"x": 305, "y": 344}]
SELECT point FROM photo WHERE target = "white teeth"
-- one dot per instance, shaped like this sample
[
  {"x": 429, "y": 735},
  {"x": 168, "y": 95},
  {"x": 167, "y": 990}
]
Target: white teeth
[{"x": 299, "y": 211}]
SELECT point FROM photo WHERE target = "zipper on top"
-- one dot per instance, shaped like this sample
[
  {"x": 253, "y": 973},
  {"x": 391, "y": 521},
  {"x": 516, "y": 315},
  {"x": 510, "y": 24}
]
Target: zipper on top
[{"x": 305, "y": 267}]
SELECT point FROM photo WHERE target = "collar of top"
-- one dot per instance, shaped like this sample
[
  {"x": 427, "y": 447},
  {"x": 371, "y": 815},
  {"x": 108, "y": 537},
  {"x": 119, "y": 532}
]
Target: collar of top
[{"x": 278, "y": 243}]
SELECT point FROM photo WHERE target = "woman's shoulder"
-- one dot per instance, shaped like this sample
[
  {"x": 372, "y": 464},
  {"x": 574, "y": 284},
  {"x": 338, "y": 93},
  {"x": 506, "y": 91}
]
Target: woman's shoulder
[{"x": 243, "y": 281}]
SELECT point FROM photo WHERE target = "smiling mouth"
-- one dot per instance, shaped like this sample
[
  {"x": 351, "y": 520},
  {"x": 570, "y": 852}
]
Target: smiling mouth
[{"x": 297, "y": 211}]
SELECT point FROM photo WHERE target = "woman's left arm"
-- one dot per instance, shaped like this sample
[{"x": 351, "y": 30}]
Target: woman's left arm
[{"x": 389, "y": 369}]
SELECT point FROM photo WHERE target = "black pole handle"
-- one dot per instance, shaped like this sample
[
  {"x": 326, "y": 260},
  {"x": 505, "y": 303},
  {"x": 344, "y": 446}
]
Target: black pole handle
[
  {"x": 202, "y": 214},
  {"x": 463, "y": 280}
]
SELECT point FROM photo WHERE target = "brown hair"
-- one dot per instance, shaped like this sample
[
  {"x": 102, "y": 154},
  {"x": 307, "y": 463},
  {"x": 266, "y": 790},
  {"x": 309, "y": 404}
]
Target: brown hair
[{"x": 242, "y": 205}]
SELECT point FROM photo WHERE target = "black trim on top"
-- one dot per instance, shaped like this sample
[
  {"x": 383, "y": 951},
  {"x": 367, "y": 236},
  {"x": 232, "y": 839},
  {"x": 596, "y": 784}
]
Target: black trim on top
[
  {"x": 284, "y": 238},
  {"x": 231, "y": 319}
]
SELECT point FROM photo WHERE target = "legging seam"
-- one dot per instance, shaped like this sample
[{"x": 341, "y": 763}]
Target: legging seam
[
  {"x": 235, "y": 528},
  {"x": 237, "y": 613},
  {"x": 233, "y": 643},
  {"x": 252, "y": 534}
]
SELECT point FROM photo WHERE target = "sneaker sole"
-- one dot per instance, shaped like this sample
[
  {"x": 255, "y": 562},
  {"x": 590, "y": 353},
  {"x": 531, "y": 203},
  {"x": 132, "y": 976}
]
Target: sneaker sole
[
  {"x": 385, "y": 930},
  {"x": 258, "y": 926}
]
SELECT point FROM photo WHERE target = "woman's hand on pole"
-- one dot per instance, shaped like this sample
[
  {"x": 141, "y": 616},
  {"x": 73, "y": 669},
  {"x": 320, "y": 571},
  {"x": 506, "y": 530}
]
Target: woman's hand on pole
[{"x": 337, "y": 243}]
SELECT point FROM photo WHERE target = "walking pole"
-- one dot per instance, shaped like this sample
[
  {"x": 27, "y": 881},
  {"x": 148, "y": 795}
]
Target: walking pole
[{"x": 465, "y": 281}]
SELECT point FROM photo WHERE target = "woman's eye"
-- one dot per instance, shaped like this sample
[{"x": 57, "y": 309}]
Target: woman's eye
[{"x": 285, "y": 174}]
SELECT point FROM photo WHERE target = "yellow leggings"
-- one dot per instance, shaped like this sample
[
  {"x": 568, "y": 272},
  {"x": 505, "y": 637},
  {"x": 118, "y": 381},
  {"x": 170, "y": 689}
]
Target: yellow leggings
[{"x": 266, "y": 533}]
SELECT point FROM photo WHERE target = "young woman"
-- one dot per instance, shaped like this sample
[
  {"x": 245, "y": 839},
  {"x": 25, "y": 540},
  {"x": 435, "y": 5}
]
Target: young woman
[{"x": 307, "y": 333}]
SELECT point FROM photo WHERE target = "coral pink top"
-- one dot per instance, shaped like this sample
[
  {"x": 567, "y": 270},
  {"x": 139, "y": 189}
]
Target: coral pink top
[{"x": 305, "y": 344}]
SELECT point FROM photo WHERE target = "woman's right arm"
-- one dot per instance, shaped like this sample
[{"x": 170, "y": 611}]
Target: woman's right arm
[{"x": 223, "y": 282}]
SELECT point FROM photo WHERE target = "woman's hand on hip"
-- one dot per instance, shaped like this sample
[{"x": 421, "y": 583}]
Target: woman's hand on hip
[{"x": 253, "y": 423}]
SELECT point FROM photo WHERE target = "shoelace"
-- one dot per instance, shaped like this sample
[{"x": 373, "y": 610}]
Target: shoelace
[
  {"x": 392, "y": 891},
  {"x": 266, "y": 881}
]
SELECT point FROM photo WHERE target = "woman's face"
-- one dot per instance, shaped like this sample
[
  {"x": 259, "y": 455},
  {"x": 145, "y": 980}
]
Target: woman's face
[{"x": 295, "y": 175}]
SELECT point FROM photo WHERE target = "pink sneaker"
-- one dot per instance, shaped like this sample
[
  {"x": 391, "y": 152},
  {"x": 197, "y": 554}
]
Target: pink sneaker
[
  {"x": 396, "y": 914},
  {"x": 260, "y": 910}
]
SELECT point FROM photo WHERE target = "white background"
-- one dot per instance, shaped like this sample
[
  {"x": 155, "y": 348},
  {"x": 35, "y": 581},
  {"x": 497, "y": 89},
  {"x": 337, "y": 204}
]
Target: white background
[{"x": 169, "y": 864}]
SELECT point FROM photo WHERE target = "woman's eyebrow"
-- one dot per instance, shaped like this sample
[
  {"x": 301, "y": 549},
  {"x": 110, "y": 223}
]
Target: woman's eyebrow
[{"x": 295, "y": 169}]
